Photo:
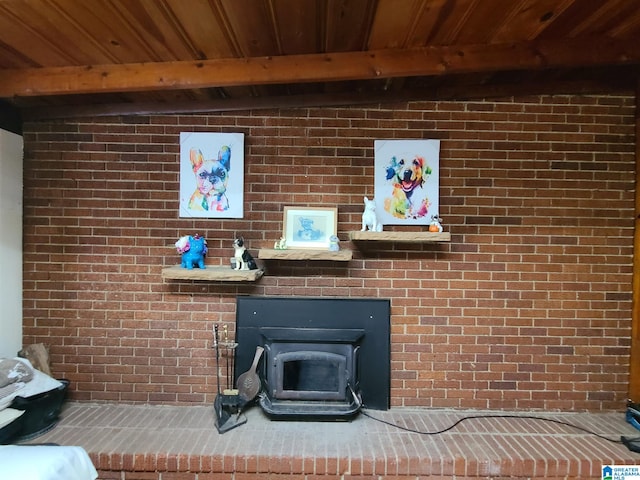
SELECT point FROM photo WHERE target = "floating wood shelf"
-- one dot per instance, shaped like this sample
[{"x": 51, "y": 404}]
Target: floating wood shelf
[
  {"x": 305, "y": 254},
  {"x": 406, "y": 237},
  {"x": 211, "y": 274}
]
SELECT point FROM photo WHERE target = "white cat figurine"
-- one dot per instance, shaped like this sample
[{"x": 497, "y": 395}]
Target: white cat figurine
[{"x": 369, "y": 217}]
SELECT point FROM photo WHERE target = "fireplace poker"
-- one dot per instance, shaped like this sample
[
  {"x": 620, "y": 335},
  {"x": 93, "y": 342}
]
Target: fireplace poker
[
  {"x": 233, "y": 364},
  {"x": 217, "y": 349},
  {"x": 228, "y": 352},
  {"x": 225, "y": 338}
]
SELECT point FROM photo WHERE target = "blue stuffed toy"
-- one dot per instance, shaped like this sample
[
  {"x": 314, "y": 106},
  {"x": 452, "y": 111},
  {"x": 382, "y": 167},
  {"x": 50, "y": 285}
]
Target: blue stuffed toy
[{"x": 193, "y": 250}]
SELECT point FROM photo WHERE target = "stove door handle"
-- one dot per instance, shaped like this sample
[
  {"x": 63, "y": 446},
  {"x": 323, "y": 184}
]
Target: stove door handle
[{"x": 356, "y": 397}]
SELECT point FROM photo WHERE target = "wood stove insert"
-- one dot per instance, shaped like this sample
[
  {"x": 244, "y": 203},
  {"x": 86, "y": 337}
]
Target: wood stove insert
[{"x": 323, "y": 357}]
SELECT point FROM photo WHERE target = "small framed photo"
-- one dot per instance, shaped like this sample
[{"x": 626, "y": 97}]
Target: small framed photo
[{"x": 310, "y": 227}]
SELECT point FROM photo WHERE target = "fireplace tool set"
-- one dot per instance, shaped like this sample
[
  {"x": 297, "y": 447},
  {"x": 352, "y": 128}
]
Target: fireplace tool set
[{"x": 230, "y": 402}]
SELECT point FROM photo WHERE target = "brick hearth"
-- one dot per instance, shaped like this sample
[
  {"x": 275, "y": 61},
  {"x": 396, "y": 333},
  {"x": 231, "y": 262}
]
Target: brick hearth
[{"x": 134, "y": 442}]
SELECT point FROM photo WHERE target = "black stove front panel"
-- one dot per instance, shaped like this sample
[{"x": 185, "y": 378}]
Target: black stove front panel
[{"x": 321, "y": 355}]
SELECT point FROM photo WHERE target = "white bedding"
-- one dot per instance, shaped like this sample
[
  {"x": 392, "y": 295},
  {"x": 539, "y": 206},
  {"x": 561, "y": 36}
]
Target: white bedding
[
  {"x": 40, "y": 383},
  {"x": 40, "y": 462}
]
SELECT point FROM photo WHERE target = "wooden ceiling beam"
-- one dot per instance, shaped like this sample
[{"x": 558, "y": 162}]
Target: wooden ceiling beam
[
  {"x": 457, "y": 92},
  {"x": 389, "y": 63}
]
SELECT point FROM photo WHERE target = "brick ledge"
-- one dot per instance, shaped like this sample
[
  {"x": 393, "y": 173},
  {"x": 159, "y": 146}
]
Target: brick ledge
[{"x": 144, "y": 442}]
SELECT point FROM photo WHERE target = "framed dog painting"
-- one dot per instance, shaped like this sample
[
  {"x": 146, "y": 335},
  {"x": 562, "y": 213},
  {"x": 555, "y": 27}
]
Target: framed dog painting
[
  {"x": 310, "y": 227},
  {"x": 406, "y": 183},
  {"x": 211, "y": 175}
]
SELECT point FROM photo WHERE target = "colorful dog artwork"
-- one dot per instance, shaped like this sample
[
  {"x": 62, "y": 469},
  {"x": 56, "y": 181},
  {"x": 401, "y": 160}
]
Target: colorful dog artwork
[
  {"x": 212, "y": 178},
  {"x": 406, "y": 181},
  {"x": 211, "y": 175}
]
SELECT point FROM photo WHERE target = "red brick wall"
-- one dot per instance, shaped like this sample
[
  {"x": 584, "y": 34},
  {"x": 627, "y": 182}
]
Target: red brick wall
[{"x": 528, "y": 306}]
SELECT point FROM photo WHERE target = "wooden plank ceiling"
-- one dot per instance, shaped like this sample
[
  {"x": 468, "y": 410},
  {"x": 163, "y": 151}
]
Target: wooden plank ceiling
[{"x": 62, "y": 57}]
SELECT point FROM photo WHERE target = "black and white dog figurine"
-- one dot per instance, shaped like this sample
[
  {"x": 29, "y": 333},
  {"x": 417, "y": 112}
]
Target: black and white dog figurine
[{"x": 244, "y": 260}]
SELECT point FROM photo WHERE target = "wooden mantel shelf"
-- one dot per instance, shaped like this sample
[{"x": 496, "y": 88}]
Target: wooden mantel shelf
[
  {"x": 211, "y": 274},
  {"x": 305, "y": 254},
  {"x": 406, "y": 237}
]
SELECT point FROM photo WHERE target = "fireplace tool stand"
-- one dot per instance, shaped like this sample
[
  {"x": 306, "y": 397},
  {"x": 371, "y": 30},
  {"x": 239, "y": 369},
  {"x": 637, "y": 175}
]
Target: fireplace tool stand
[{"x": 228, "y": 404}]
